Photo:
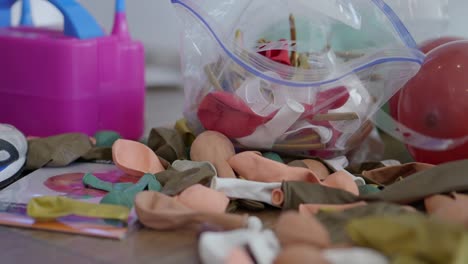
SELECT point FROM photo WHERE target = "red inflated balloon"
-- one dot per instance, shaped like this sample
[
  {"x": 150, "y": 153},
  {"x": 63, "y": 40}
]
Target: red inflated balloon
[
  {"x": 429, "y": 45},
  {"x": 228, "y": 114},
  {"x": 435, "y": 101},
  {"x": 425, "y": 47}
]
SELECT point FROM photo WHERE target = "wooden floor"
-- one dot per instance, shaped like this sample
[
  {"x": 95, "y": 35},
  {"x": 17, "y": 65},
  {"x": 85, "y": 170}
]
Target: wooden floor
[{"x": 141, "y": 246}]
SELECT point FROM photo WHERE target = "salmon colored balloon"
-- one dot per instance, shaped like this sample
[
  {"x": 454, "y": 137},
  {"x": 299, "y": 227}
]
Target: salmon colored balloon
[
  {"x": 161, "y": 212},
  {"x": 435, "y": 101},
  {"x": 341, "y": 180},
  {"x": 254, "y": 167},
  {"x": 203, "y": 199},
  {"x": 135, "y": 158}
]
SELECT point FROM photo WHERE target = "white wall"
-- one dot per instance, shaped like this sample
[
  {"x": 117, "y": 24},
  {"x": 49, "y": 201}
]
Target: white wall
[
  {"x": 458, "y": 10},
  {"x": 152, "y": 21},
  {"x": 155, "y": 23}
]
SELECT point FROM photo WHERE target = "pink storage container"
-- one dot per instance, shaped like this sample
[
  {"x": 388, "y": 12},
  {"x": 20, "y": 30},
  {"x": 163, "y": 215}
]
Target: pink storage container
[{"x": 79, "y": 80}]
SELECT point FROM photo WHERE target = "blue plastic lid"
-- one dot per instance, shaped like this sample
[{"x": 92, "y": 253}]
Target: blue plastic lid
[
  {"x": 78, "y": 21},
  {"x": 120, "y": 6},
  {"x": 26, "y": 18}
]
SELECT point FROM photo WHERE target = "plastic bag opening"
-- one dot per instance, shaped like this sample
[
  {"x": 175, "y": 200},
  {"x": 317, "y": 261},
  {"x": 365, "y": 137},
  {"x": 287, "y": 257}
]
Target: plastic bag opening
[{"x": 247, "y": 64}]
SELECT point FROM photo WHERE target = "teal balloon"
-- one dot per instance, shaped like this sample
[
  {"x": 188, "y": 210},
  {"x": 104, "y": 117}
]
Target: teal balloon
[
  {"x": 273, "y": 156},
  {"x": 375, "y": 31},
  {"x": 308, "y": 36},
  {"x": 106, "y": 138},
  {"x": 368, "y": 189},
  {"x": 122, "y": 193}
]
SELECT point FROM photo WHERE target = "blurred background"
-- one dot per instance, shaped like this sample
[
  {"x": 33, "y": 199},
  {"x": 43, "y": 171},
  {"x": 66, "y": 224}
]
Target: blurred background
[{"x": 155, "y": 23}]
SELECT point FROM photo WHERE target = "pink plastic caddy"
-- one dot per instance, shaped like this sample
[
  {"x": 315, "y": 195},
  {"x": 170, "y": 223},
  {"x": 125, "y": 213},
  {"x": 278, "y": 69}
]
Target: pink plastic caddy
[{"x": 78, "y": 80}]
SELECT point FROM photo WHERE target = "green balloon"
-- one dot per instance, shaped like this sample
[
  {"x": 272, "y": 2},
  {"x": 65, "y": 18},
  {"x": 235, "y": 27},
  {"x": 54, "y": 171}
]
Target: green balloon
[
  {"x": 375, "y": 31},
  {"x": 273, "y": 156},
  {"x": 106, "y": 138}
]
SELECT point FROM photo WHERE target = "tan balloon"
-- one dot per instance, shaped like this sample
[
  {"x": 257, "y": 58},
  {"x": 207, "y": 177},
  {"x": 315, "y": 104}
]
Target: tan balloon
[
  {"x": 293, "y": 228},
  {"x": 215, "y": 148},
  {"x": 317, "y": 167},
  {"x": 300, "y": 254}
]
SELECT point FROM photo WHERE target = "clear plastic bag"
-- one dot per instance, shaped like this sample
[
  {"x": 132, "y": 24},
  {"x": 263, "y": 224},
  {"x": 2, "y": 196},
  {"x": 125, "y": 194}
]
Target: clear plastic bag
[
  {"x": 426, "y": 114},
  {"x": 301, "y": 76}
]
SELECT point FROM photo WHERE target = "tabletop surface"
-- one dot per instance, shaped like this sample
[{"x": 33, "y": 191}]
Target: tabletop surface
[{"x": 141, "y": 246}]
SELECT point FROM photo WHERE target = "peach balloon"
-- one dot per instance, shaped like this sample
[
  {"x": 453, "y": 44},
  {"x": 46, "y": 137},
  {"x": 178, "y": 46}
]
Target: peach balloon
[
  {"x": 253, "y": 167},
  {"x": 454, "y": 210},
  {"x": 135, "y": 158},
  {"x": 203, "y": 199},
  {"x": 162, "y": 212},
  {"x": 435, "y": 202},
  {"x": 92, "y": 140},
  {"x": 341, "y": 180},
  {"x": 215, "y": 148},
  {"x": 238, "y": 256},
  {"x": 277, "y": 197}
]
